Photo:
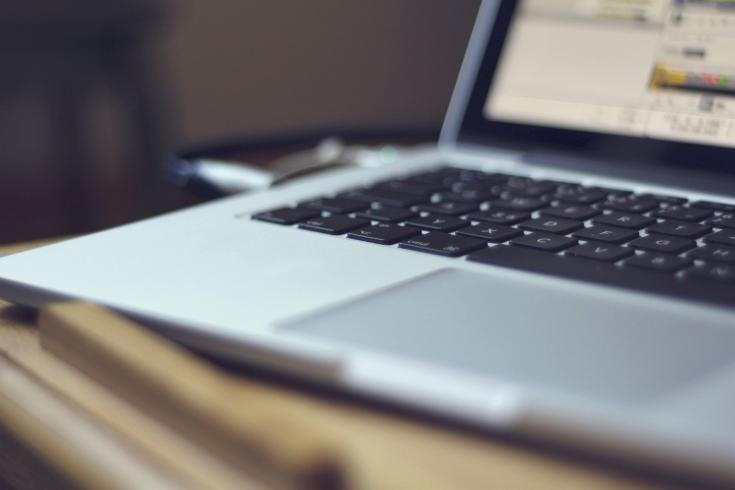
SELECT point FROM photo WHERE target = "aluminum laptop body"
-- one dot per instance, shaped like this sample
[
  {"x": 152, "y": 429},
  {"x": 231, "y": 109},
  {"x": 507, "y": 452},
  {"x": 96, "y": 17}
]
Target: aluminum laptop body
[{"x": 616, "y": 97}]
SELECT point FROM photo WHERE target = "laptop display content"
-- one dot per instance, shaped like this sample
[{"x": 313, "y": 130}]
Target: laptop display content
[
  {"x": 637, "y": 85},
  {"x": 662, "y": 69}
]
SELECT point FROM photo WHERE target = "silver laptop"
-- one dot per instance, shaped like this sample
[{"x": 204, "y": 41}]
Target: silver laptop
[{"x": 561, "y": 265}]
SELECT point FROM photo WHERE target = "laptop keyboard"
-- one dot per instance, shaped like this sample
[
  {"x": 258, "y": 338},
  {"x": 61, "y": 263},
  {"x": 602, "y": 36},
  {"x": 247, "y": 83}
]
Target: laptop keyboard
[{"x": 658, "y": 243}]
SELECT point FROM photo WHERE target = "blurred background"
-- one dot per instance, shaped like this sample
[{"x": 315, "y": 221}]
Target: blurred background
[{"x": 94, "y": 94}]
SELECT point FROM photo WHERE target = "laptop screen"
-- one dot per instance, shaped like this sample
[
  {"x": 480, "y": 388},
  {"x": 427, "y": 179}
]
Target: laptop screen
[
  {"x": 650, "y": 80},
  {"x": 655, "y": 68}
]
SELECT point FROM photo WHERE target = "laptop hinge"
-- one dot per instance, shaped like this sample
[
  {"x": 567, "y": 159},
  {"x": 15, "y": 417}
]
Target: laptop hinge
[{"x": 692, "y": 178}]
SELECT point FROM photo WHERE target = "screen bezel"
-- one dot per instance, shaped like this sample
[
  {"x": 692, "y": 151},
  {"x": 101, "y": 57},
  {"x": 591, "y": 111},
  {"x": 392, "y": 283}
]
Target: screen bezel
[{"x": 476, "y": 129}]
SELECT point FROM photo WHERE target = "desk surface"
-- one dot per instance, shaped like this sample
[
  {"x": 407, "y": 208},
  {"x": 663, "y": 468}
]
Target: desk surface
[{"x": 383, "y": 448}]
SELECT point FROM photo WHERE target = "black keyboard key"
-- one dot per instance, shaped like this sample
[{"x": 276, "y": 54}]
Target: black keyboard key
[
  {"x": 452, "y": 208},
  {"x": 542, "y": 241},
  {"x": 714, "y": 206},
  {"x": 415, "y": 188},
  {"x": 437, "y": 223},
  {"x": 473, "y": 176},
  {"x": 570, "y": 211},
  {"x": 726, "y": 237},
  {"x": 469, "y": 196},
  {"x": 663, "y": 198},
  {"x": 714, "y": 253},
  {"x": 383, "y": 233},
  {"x": 523, "y": 186},
  {"x": 519, "y": 182},
  {"x": 443, "y": 244},
  {"x": 539, "y": 188},
  {"x": 680, "y": 228},
  {"x": 630, "y": 204},
  {"x": 333, "y": 225},
  {"x": 664, "y": 244},
  {"x": 287, "y": 216},
  {"x": 468, "y": 175},
  {"x": 462, "y": 186},
  {"x": 600, "y": 251},
  {"x": 725, "y": 220},
  {"x": 434, "y": 177},
  {"x": 500, "y": 216},
  {"x": 560, "y": 183},
  {"x": 551, "y": 225},
  {"x": 684, "y": 213},
  {"x": 615, "y": 192},
  {"x": 577, "y": 194},
  {"x": 712, "y": 272},
  {"x": 624, "y": 220},
  {"x": 386, "y": 196},
  {"x": 606, "y": 234},
  {"x": 658, "y": 262},
  {"x": 498, "y": 177},
  {"x": 490, "y": 232},
  {"x": 518, "y": 204},
  {"x": 387, "y": 213},
  {"x": 336, "y": 205}
]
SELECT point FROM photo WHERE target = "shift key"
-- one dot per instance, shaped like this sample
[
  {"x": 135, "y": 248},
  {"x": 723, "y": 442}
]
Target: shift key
[{"x": 443, "y": 244}]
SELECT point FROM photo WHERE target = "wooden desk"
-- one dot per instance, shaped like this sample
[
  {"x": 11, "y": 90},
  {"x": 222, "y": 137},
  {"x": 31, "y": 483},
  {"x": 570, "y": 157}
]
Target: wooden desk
[{"x": 383, "y": 449}]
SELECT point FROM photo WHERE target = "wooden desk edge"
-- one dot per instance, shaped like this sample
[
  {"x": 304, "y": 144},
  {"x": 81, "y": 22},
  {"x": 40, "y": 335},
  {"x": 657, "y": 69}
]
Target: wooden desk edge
[{"x": 438, "y": 457}]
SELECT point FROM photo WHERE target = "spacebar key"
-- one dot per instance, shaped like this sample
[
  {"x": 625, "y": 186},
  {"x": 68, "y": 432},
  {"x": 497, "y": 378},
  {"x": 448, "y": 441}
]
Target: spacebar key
[
  {"x": 531, "y": 260},
  {"x": 443, "y": 244},
  {"x": 600, "y": 272}
]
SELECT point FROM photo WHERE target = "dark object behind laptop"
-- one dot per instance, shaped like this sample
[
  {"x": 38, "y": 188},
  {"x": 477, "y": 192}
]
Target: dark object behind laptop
[{"x": 77, "y": 85}]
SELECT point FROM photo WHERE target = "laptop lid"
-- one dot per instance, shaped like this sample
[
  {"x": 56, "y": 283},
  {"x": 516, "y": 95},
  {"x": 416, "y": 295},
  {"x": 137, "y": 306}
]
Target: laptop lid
[{"x": 603, "y": 80}]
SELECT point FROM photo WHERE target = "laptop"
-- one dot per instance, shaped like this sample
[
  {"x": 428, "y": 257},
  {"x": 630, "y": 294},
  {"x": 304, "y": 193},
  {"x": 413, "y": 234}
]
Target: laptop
[{"x": 561, "y": 265}]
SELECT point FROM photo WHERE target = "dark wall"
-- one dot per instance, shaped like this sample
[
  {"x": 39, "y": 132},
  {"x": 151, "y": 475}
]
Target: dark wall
[
  {"x": 226, "y": 67},
  {"x": 240, "y": 66}
]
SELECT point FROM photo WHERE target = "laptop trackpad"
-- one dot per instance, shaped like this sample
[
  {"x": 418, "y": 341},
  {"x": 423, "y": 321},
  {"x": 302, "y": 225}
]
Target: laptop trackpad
[{"x": 575, "y": 339}]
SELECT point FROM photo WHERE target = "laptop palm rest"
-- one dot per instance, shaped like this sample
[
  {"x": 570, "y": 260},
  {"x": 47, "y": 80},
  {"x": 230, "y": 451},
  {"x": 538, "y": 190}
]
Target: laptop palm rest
[{"x": 627, "y": 348}]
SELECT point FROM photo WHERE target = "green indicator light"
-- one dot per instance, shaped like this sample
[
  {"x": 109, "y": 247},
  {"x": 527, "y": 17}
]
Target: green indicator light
[{"x": 724, "y": 81}]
